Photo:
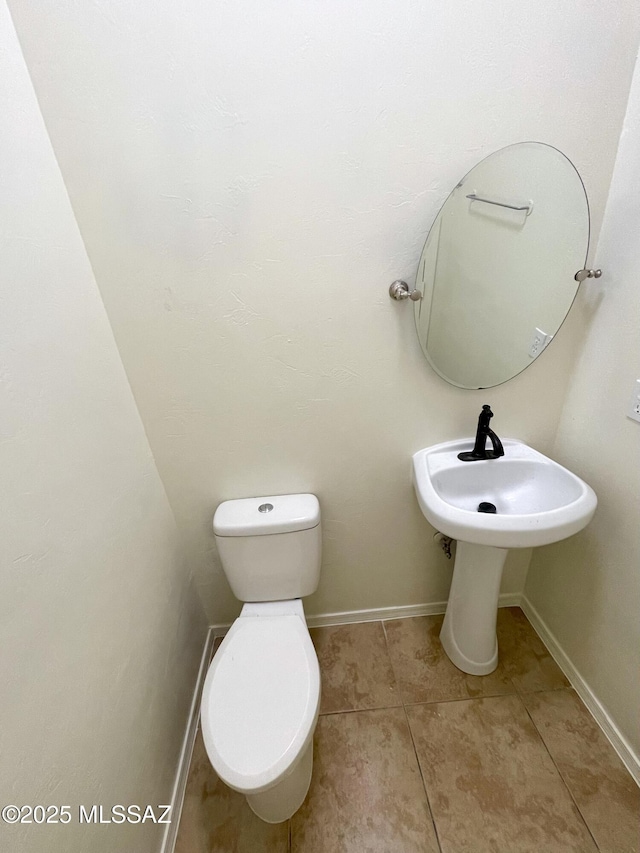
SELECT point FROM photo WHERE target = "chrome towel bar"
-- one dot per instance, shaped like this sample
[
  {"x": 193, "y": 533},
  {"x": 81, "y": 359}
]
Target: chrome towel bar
[{"x": 527, "y": 207}]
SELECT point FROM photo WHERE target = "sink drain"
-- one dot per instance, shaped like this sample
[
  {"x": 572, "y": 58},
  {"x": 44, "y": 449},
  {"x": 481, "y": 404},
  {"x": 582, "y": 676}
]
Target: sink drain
[{"x": 485, "y": 506}]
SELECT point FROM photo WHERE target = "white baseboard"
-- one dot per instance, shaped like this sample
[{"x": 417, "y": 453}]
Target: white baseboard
[
  {"x": 402, "y": 612},
  {"x": 184, "y": 760},
  {"x": 621, "y": 745},
  {"x": 509, "y": 599},
  {"x": 349, "y": 617}
]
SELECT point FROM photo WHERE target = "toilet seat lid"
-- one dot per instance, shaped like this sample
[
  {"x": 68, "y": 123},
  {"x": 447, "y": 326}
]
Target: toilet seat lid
[{"x": 260, "y": 700}]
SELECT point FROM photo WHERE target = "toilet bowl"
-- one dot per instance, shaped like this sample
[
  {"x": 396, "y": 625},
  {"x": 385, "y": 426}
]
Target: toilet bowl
[
  {"x": 261, "y": 695},
  {"x": 260, "y": 708}
]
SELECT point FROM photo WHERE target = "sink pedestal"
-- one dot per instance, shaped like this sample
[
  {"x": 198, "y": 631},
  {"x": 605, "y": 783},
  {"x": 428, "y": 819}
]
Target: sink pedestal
[{"x": 468, "y": 633}]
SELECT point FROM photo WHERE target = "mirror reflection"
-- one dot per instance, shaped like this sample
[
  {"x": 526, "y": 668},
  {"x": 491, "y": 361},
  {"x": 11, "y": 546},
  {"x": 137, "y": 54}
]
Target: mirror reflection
[{"x": 497, "y": 269}]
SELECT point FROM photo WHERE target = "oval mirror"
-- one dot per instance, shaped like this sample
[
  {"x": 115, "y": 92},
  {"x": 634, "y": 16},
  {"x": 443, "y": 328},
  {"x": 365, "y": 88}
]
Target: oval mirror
[{"x": 497, "y": 269}]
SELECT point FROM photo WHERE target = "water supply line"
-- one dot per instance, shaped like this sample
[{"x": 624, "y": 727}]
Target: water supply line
[{"x": 445, "y": 543}]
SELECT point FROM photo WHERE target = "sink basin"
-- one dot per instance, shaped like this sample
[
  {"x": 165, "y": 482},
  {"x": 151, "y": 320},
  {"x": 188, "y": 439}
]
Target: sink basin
[{"x": 537, "y": 500}]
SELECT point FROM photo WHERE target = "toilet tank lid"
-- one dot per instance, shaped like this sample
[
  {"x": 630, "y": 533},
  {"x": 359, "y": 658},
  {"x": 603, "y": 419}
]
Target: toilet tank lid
[{"x": 267, "y": 515}]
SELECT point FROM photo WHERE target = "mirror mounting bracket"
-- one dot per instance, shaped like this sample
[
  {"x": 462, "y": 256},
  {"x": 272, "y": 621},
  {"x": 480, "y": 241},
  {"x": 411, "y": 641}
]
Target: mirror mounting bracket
[
  {"x": 399, "y": 290},
  {"x": 582, "y": 274}
]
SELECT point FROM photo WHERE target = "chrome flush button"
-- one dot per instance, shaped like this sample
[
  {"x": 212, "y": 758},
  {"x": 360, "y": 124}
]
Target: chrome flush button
[{"x": 265, "y": 507}]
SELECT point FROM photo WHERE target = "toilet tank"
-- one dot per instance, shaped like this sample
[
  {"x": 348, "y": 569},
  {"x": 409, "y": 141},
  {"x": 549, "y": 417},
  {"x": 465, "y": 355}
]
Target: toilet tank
[{"x": 270, "y": 547}]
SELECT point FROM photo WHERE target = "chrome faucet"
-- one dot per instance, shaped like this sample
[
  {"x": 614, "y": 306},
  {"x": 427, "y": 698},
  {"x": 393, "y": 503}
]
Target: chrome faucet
[{"x": 480, "y": 447}]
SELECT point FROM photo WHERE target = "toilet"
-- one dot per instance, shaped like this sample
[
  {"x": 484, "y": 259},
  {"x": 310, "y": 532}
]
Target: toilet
[{"x": 261, "y": 696}]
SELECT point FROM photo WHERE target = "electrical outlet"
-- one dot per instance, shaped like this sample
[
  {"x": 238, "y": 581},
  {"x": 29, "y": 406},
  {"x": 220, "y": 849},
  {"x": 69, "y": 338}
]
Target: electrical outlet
[
  {"x": 539, "y": 342},
  {"x": 633, "y": 411}
]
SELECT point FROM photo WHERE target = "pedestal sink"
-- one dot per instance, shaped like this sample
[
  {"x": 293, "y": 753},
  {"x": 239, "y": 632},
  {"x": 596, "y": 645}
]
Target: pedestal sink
[{"x": 537, "y": 502}]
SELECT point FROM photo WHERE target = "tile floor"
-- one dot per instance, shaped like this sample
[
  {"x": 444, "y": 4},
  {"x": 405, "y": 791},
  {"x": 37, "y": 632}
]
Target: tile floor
[{"x": 413, "y": 756}]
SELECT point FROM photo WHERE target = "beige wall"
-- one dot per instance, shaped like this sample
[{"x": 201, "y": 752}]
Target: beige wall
[
  {"x": 587, "y": 589},
  {"x": 100, "y": 630},
  {"x": 249, "y": 179}
]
